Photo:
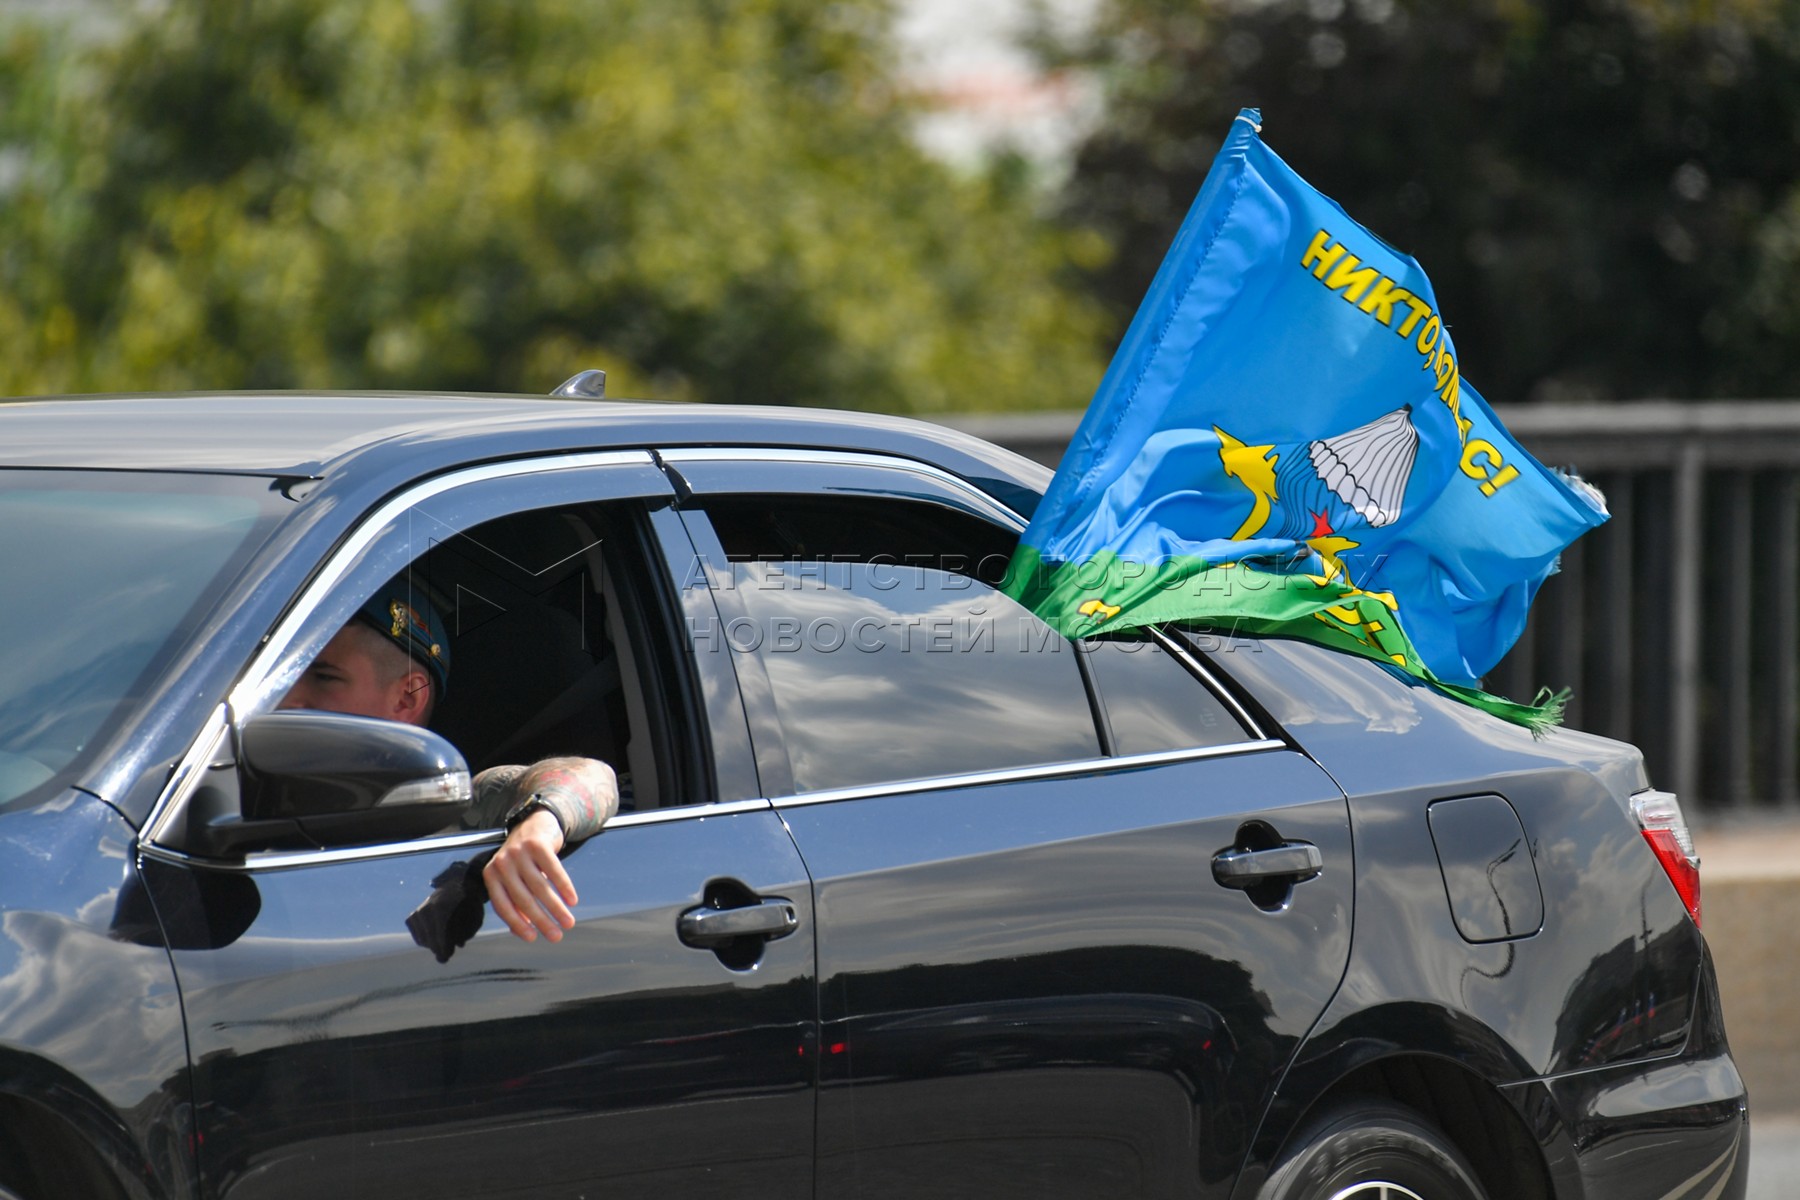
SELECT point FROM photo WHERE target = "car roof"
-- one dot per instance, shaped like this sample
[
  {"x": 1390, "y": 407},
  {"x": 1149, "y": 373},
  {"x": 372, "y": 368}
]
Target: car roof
[
  {"x": 271, "y": 432},
  {"x": 393, "y": 436}
]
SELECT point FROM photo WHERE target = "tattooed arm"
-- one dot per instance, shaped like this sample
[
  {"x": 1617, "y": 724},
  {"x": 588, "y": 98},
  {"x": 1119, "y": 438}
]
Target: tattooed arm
[{"x": 573, "y": 798}]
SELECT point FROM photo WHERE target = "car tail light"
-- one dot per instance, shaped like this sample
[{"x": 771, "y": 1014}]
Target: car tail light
[{"x": 1659, "y": 816}]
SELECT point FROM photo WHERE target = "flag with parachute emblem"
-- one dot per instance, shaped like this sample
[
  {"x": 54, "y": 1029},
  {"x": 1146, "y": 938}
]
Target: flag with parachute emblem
[{"x": 1285, "y": 444}]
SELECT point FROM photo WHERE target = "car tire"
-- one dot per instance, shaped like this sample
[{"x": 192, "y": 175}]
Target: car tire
[{"x": 1371, "y": 1150}]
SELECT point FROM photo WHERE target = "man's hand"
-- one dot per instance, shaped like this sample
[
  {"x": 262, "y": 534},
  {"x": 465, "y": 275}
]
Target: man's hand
[{"x": 526, "y": 882}]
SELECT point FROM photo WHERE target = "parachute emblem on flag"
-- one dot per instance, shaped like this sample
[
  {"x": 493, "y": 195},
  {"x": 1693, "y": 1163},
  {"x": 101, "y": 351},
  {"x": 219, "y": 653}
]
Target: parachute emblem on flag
[{"x": 1368, "y": 467}]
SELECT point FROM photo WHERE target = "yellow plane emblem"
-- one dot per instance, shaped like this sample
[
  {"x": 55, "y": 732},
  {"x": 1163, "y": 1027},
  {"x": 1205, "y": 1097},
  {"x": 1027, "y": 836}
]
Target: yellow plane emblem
[
  {"x": 1254, "y": 467},
  {"x": 1099, "y": 609}
]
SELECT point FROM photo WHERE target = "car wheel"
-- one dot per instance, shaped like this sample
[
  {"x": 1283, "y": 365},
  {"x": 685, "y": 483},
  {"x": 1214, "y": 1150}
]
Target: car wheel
[{"x": 1371, "y": 1151}]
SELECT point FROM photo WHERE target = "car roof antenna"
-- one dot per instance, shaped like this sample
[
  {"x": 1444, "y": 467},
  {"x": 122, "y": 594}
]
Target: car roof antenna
[{"x": 587, "y": 385}]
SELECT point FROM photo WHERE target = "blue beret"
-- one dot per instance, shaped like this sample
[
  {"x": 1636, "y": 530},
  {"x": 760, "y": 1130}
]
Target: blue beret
[{"x": 407, "y": 618}]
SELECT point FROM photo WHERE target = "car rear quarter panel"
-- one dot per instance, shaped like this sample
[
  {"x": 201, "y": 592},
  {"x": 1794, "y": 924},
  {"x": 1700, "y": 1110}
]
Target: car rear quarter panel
[{"x": 1611, "y": 980}]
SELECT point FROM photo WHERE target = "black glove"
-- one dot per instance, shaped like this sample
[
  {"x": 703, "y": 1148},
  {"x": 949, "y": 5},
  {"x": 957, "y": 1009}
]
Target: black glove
[{"x": 452, "y": 914}]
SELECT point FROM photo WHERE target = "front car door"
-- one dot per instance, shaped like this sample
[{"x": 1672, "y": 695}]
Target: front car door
[
  {"x": 359, "y": 1025},
  {"x": 1032, "y": 980}
]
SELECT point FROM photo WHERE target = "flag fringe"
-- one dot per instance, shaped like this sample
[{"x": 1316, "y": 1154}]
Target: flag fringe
[{"x": 1543, "y": 714}]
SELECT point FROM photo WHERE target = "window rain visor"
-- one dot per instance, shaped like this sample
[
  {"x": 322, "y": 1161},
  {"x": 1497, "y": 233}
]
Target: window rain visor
[{"x": 104, "y": 575}]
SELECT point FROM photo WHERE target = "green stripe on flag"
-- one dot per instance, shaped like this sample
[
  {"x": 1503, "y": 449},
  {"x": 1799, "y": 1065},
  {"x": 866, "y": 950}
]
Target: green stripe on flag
[{"x": 1105, "y": 593}]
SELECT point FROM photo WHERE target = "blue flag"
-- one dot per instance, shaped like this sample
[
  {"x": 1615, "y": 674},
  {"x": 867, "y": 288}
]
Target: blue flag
[{"x": 1285, "y": 442}]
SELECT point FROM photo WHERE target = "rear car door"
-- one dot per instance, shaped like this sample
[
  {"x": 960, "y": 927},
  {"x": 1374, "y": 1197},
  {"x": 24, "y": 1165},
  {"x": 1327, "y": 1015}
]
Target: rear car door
[
  {"x": 1034, "y": 979},
  {"x": 361, "y": 1025}
]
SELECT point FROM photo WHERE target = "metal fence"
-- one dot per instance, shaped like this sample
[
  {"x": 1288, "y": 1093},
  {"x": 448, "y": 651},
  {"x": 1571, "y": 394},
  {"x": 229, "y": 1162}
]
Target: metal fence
[{"x": 1677, "y": 623}]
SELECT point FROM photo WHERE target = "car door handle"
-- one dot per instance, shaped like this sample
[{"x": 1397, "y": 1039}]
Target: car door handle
[
  {"x": 1294, "y": 861},
  {"x": 708, "y": 927}
]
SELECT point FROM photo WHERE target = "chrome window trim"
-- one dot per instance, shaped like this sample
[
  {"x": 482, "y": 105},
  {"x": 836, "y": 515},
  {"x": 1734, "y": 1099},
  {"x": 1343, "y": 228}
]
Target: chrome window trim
[
  {"x": 850, "y": 458},
  {"x": 244, "y": 695},
  {"x": 282, "y": 860},
  {"x": 687, "y": 812},
  {"x": 1194, "y": 663},
  {"x": 1084, "y": 766},
  {"x": 186, "y": 776}
]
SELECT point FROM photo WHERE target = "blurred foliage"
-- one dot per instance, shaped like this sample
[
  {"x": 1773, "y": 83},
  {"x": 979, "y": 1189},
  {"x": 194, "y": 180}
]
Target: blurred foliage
[
  {"x": 1602, "y": 191},
  {"x": 712, "y": 199}
]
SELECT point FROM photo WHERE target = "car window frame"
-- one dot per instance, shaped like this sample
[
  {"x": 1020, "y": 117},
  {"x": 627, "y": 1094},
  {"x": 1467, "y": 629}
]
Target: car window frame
[
  {"x": 629, "y": 475},
  {"x": 720, "y": 471}
]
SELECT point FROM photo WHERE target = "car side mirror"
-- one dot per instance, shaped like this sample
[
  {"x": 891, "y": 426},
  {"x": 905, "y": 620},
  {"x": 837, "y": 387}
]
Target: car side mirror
[{"x": 321, "y": 779}]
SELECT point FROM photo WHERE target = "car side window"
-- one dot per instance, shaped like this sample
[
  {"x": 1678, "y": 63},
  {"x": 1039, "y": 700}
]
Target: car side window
[
  {"x": 539, "y": 667},
  {"x": 885, "y": 672},
  {"x": 889, "y": 657},
  {"x": 555, "y": 643},
  {"x": 1154, "y": 702}
]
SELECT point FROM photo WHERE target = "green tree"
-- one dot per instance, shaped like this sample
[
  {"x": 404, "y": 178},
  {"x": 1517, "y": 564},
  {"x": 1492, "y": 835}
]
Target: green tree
[
  {"x": 712, "y": 199},
  {"x": 1602, "y": 191}
]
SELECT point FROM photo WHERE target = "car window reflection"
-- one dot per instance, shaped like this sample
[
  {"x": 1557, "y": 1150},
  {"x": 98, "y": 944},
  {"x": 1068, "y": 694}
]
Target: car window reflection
[{"x": 885, "y": 672}]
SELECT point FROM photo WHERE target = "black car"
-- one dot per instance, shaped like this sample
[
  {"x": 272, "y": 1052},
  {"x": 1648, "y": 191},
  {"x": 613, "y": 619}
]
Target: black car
[{"x": 909, "y": 896}]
